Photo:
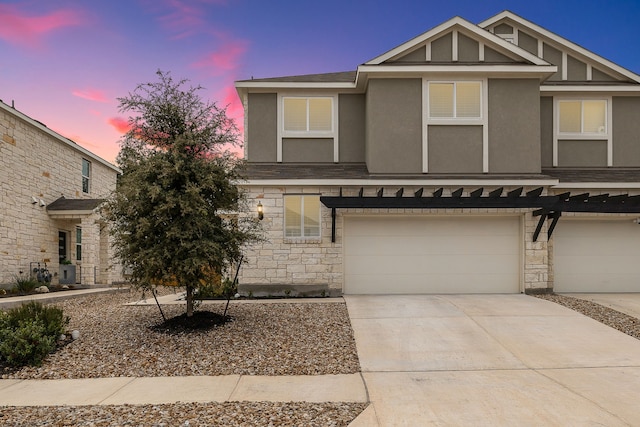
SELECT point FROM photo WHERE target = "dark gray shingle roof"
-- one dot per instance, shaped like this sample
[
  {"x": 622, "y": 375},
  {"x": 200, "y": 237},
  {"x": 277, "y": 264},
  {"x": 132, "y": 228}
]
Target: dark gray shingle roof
[
  {"x": 342, "y": 77},
  {"x": 595, "y": 174},
  {"x": 63, "y": 204}
]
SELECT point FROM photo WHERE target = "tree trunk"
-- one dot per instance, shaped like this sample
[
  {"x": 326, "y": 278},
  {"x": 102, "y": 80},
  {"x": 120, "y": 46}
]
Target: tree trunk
[{"x": 189, "y": 301}]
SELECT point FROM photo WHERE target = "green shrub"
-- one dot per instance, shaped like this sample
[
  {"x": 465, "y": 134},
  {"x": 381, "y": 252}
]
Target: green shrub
[
  {"x": 24, "y": 284},
  {"x": 29, "y": 332},
  {"x": 225, "y": 289}
]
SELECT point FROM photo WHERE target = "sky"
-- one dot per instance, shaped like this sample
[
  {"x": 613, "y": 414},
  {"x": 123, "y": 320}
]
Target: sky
[{"x": 65, "y": 62}]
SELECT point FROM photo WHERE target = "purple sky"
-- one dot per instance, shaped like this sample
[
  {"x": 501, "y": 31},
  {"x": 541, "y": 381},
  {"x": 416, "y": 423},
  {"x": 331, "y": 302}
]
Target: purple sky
[{"x": 65, "y": 62}]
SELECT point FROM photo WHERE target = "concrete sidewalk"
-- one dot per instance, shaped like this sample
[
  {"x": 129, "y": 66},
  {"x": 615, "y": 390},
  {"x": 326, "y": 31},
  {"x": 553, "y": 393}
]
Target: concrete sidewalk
[
  {"x": 158, "y": 390},
  {"x": 15, "y": 301}
]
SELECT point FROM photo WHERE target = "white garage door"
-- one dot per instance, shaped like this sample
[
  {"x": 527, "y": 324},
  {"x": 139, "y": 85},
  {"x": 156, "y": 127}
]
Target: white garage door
[
  {"x": 396, "y": 255},
  {"x": 596, "y": 256}
]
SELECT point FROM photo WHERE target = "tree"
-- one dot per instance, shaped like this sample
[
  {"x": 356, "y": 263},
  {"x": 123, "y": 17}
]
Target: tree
[{"x": 178, "y": 216}]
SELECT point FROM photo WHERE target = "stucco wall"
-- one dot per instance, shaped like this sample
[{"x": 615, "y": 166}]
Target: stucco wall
[
  {"x": 455, "y": 149},
  {"x": 626, "y": 131},
  {"x": 582, "y": 153},
  {"x": 35, "y": 164},
  {"x": 262, "y": 129},
  {"x": 394, "y": 131},
  {"x": 352, "y": 128},
  {"x": 514, "y": 132}
]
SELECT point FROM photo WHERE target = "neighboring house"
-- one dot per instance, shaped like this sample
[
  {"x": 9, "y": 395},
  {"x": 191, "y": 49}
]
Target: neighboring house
[
  {"x": 490, "y": 158},
  {"x": 50, "y": 188}
]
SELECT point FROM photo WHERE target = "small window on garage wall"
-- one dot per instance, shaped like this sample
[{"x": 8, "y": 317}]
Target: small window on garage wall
[{"x": 302, "y": 216}]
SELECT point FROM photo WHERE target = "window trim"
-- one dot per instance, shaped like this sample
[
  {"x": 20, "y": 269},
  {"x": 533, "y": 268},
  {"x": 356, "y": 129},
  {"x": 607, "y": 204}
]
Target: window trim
[
  {"x": 86, "y": 177},
  {"x": 589, "y": 136},
  {"x": 333, "y": 133},
  {"x": 483, "y": 120},
  {"x": 284, "y": 217},
  {"x": 78, "y": 243}
]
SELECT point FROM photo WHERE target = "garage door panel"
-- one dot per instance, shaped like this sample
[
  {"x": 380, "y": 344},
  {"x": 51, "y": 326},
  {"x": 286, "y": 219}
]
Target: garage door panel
[
  {"x": 597, "y": 256},
  {"x": 432, "y": 254}
]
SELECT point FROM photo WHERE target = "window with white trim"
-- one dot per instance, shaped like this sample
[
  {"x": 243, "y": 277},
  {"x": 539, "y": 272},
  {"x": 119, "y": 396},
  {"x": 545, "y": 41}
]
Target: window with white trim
[
  {"x": 307, "y": 115},
  {"x": 86, "y": 176},
  {"x": 302, "y": 216},
  {"x": 583, "y": 117},
  {"x": 455, "y": 100}
]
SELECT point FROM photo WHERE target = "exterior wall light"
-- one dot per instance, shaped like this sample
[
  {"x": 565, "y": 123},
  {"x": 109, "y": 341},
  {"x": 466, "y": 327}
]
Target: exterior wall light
[{"x": 260, "y": 212}]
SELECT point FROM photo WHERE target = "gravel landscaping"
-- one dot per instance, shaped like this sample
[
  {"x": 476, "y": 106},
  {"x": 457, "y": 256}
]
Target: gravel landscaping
[
  {"x": 610, "y": 317},
  {"x": 231, "y": 414},
  {"x": 262, "y": 339}
]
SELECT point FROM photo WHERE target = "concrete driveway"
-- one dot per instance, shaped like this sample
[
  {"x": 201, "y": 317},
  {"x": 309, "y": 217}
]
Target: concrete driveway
[{"x": 491, "y": 360}]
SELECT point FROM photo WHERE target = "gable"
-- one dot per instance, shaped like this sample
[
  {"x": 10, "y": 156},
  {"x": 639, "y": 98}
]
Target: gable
[
  {"x": 575, "y": 64},
  {"x": 457, "y": 41}
]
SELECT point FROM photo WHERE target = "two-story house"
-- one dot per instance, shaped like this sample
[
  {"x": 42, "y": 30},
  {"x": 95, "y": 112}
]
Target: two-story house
[
  {"x": 489, "y": 158},
  {"x": 50, "y": 188}
]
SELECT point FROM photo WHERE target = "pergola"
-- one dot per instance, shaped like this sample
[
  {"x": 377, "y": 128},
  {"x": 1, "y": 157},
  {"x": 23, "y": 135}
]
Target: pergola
[{"x": 546, "y": 207}]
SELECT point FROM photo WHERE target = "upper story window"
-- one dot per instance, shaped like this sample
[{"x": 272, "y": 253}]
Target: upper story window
[
  {"x": 583, "y": 117},
  {"x": 302, "y": 216},
  {"x": 86, "y": 175},
  {"x": 460, "y": 100},
  {"x": 307, "y": 115}
]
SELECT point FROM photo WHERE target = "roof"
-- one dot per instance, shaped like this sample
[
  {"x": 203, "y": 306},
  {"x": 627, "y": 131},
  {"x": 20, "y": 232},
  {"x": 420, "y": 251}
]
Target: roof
[
  {"x": 340, "y": 77},
  {"x": 507, "y": 15},
  {"x": 599, "y": 175},
  {"x": 64, "y": 204},
  {"x": 359, "y": 171},
  {"x": 66, "y": 141}
]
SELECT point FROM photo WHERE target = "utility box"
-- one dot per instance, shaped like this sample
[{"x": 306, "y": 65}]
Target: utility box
[{"x": 67, "y": 274}]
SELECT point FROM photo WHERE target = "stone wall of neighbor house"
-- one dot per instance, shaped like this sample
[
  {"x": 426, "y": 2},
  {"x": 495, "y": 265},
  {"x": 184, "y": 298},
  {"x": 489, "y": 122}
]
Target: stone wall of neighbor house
[
  {"x": 35, "y": 165},
  {"x": 282, "y": 261}
]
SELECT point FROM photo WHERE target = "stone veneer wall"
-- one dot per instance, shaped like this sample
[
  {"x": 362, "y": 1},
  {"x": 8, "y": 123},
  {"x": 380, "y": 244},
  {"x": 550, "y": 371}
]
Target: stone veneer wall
[
  {"x": 36, "y": 164},
  {"x": 282, "y": 261}
]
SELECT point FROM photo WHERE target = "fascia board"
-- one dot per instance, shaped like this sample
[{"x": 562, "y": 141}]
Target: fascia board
[
  {"x": 69, "y": 213},
  {"x": 593, "y": 89},
  {"x": 560, "y": 41},
  {"x": 537, "y": 70},
  {"x": 59, "y": 137},
  {"x": 483, "y": 34},
  {"x": 598, "y": 185},
  {"x": 400, "y": 182},
  {"x": 295, "y": 85}
]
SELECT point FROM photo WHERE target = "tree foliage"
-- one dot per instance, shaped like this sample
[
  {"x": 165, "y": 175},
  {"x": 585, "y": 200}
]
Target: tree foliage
[{"x": 178, "y": 216}]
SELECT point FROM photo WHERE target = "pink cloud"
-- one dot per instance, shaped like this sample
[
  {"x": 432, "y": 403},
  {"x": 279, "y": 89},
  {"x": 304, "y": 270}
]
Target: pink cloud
[
  {"x": 27, "y": 30},
  {"x": 224, "y": 59},
  {"x": 119, "y": 124},
  {"x": 91, "y": 94},
  {"x": 182, "y": 17}
]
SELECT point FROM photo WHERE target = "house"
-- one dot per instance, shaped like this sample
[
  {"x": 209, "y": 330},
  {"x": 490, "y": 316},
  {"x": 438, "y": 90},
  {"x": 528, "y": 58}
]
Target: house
[
  {"x": 50, "y": 188},
  {"x": 489, "y": 158}
]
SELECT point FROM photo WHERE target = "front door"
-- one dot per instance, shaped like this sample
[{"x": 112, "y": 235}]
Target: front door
[{"x": 62, "y": 246}]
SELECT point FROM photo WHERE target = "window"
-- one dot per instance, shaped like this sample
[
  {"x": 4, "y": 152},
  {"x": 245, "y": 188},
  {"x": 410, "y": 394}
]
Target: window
[
  {"x": 86, "y": 175},
  {"x": 302, "y": 216},
  {"x": 455, "y": 100},
  {"x": 307, "y": 115},
  {"x": 78, "y": 244},
  {"x": 583, "y": 117}
]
